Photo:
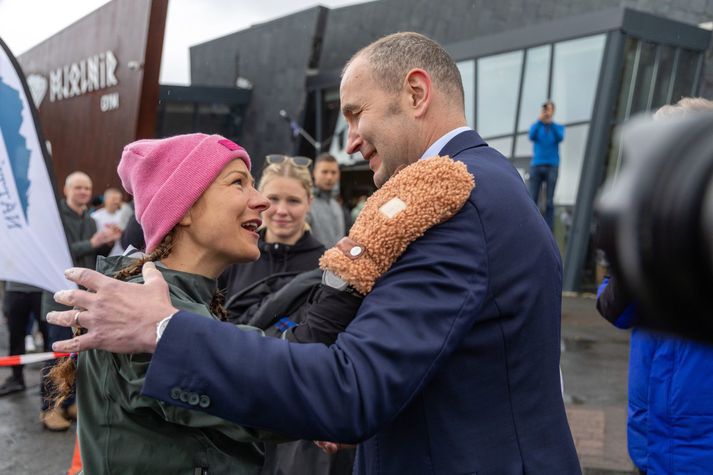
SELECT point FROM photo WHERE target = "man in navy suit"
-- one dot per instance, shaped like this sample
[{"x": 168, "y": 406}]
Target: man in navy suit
[{"x": 451, "y": 365}]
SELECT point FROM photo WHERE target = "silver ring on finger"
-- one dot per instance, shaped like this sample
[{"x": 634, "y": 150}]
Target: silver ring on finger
[{"x": 76, "y": 320}]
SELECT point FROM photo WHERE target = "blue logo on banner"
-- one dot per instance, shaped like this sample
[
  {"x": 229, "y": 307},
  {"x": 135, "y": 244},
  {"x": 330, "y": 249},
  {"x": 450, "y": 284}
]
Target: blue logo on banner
[{"x": 18, "y": 154}]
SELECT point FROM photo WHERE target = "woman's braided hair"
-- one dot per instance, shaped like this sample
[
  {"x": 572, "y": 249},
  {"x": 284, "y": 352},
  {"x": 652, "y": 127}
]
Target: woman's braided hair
[{"x": 63, "y": 374}]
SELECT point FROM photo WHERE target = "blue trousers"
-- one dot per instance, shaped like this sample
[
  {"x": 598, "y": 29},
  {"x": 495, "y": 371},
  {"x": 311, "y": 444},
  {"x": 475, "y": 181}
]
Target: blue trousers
[{"x": 544, "y": 175}]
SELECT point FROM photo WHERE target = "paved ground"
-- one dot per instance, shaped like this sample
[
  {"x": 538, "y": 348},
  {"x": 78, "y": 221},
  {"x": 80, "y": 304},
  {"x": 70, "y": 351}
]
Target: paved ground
[
  {"x": 594, "y": 365},
  {"x": 25, "y": 448}
]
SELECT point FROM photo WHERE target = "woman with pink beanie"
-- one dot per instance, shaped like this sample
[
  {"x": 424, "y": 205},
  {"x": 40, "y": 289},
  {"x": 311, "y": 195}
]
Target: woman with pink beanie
[{"x": 195, "y": 200}]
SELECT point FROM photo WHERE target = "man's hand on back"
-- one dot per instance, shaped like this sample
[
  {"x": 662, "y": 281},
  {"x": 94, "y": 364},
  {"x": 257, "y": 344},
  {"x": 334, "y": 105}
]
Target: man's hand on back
[{"x": 120, "y": 317}]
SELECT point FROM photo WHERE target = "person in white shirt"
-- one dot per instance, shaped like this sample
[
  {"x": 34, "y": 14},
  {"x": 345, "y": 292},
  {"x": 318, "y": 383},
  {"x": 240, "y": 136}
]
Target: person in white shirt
[{"x": 114, "y": 213}]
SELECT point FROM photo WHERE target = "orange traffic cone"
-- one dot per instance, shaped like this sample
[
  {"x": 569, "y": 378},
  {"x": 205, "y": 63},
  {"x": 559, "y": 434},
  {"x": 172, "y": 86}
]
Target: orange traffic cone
[{"x": 76, "y": 466}]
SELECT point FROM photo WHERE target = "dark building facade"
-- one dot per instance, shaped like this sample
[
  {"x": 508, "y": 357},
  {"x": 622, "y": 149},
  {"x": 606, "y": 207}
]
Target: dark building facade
[
  {"x": 275, "y": 58},
  {"x": 600, "y": 62}
]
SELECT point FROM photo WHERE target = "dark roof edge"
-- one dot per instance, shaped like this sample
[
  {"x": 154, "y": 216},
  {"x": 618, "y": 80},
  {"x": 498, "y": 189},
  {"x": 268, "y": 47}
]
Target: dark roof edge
[
  {"x": 642, "y": 25},
  {"x": 662, "y": 30}
]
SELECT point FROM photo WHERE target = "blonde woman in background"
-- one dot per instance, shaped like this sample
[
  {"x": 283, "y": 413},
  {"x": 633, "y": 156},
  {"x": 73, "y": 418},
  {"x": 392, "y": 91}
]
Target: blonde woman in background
[
  {"x": 287, "y": 248},
  {"x": 286, "y": 244}
]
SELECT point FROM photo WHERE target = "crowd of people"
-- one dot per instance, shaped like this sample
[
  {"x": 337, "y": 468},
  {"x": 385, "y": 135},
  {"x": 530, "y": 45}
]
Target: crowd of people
[{"x": 428, "y": 342}]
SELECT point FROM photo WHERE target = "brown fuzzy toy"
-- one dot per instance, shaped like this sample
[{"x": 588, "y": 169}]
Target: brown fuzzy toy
[{"x": 421, "y": 195}]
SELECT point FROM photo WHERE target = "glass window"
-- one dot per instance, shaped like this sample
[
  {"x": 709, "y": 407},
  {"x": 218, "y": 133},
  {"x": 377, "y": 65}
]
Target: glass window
[
  {"x": 178, "y": 118},
  {"x": 502, "y": 145},
  {"x": 626, "y": 78},
  {"x": 523, "y": 155},
  {"x": 498, "y": 84},
  {"x": 575, "y": 76},
  {"x": 663, "y": 77},
  {"x": 686, "y": 69},
  {"x": 571, "y": 160},
  {"x": 534, "y": 87},
  {"x": 523, "y": 146},
  {"x": 644, "y": 76},
  {"x": 467, "y": 74}
]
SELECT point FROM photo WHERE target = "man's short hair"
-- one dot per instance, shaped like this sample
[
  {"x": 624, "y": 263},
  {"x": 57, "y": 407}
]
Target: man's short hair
[
  {"x": 684, "y": 106},
  {"x": 325, "y": 157},
  {"x": 111, "y": 190},
  {"x": 70, "y": 178},
  {"x": 392, "y": 56}
]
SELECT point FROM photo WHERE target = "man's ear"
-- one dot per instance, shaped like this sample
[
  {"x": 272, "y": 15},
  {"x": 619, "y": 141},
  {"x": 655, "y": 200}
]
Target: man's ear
[{"x": 418, "y": 87}]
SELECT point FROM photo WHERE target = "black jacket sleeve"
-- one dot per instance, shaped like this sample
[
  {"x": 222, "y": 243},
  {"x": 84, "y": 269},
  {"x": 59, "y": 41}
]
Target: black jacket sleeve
[
  {"x": 327, "y": 315},
  {"x": 133, "y": 235},
  {"x": 614, "y": 303}
]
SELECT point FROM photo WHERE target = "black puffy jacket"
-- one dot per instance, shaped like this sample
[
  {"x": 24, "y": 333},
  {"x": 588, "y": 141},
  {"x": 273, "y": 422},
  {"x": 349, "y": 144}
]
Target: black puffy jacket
[{"x": 274, "y": 259}]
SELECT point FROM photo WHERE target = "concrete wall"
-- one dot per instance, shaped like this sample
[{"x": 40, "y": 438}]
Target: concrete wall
[{"x": 275, "y": 58}]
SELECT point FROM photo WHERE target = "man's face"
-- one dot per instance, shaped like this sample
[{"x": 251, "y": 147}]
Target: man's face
[
  {"x": 79, "y": 191},
  {"x": 378, "y": 126},
  {"x": 326, "y": 175},
  {"x": 548, "y": 110}
]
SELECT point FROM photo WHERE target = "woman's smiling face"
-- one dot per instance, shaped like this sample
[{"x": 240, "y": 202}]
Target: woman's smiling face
[
  {"x": 224, "y": 220},
  {"x": 289, "y": 204}
]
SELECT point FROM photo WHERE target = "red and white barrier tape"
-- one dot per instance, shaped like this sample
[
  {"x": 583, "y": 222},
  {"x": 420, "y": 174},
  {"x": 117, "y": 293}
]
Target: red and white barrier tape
[{"x": 30, "y": 358}]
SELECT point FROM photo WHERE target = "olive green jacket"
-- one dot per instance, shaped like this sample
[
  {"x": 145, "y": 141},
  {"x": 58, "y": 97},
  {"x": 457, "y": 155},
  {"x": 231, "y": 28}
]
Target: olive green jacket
[{"x": 120, "y": 431}]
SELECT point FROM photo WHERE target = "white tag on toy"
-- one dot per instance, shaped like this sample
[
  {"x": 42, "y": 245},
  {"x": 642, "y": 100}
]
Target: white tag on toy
[{"x": 392, "y": 207}]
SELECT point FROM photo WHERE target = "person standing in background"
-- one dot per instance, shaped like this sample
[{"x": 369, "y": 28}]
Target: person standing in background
[
  {"x": 85, "y": 244},
  {"x": 21, "y": 303},
  {"x": 286, "y": 248},
  {"x": 286, "y": 243},
  {"x": 546, "y": 136},
  {"x": 670, "y": 413},
  {"x": 327, "y": 217},
  {"x": 114, "y": 213}
]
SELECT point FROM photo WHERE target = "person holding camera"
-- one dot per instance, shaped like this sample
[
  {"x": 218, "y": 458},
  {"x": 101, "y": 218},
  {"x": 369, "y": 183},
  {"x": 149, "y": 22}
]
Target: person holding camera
[
  {"x": 546, "y": 136},
  {"x": 670, "y": 413}
]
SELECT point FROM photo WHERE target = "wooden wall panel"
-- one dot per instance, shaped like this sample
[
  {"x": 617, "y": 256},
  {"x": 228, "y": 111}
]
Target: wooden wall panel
[{"x": 82, "y": 136}]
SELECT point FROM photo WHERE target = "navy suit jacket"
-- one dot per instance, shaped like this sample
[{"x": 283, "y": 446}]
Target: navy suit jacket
[{"x": 451, "y": 365}]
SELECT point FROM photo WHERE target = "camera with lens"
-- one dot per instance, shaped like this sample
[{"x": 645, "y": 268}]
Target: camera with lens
[{"x": 655, "y": 222}]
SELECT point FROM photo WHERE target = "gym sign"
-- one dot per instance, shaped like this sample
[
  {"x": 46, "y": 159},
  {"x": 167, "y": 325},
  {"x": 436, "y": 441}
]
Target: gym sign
[{"x": 88, "y": 75}]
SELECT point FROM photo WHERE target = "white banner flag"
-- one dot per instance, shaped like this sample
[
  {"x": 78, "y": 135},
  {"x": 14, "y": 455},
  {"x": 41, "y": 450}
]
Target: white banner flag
[{"x": 33, "y": 247}]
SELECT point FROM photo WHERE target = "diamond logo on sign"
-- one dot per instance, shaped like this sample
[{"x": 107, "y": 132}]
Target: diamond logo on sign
[{"x": 38, "y": 88}]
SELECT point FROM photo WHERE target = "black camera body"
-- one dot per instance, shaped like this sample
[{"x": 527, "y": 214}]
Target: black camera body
[{"x": 655, "y": 222}]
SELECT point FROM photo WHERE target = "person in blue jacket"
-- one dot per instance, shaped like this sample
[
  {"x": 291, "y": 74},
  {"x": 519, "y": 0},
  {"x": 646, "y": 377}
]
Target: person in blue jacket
[
  {"x": 546, "y": 136},
  {"x": 670, "y": 416},
  {"x": 451, "y": 364}
]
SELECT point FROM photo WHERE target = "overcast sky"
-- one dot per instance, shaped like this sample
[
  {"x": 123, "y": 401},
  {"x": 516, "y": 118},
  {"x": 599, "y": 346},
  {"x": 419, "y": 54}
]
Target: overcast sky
[{"x": 25, "y": 23}]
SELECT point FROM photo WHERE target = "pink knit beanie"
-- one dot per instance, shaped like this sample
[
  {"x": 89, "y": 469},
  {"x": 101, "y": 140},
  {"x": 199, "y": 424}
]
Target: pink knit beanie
[{"x": 167, "y": 176}]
